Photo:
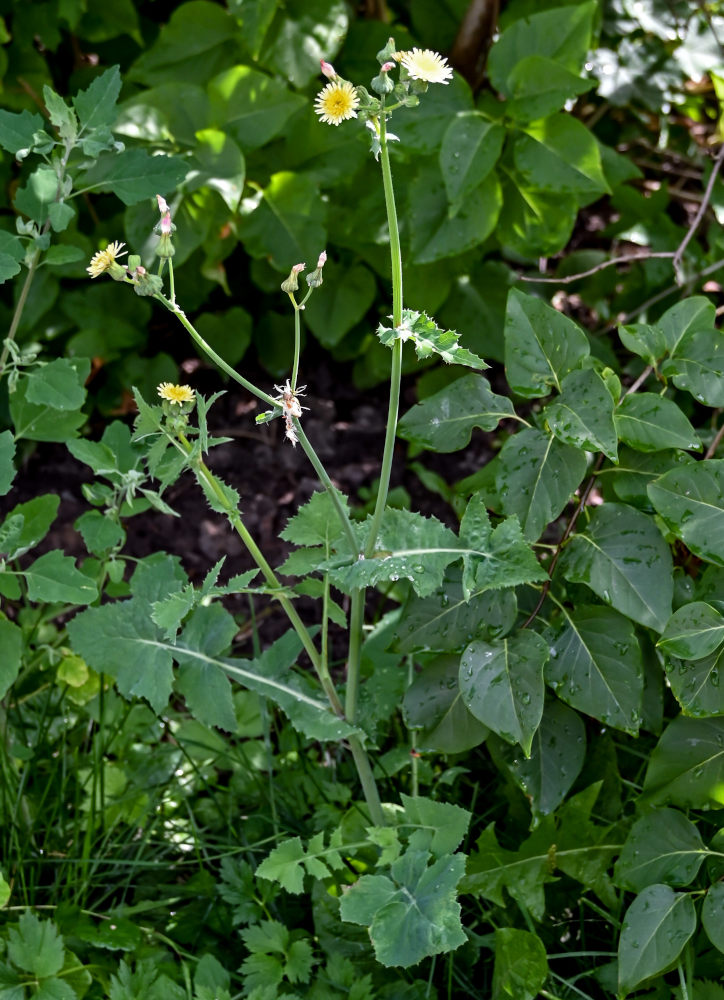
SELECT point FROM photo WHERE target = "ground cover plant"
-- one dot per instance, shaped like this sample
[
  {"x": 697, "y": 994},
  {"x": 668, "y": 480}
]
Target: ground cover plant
[{"x": 475, "y": 749}]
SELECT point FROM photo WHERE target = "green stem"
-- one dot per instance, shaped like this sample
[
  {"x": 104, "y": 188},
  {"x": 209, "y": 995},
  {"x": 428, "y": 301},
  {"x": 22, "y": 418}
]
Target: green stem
[
  {"x": 356, "y": 621},
  {"x": 367, "y": 780},
  {"x": 297, "y": 345},
  {"x": 17, "y": 315},
  {"x": 171, "y": 285}
]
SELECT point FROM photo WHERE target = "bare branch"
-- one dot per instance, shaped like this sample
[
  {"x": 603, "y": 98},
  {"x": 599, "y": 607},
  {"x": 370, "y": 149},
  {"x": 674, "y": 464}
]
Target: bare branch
[
  {"x": 678, "y": 256},
  {"x": 629, "y": 258}
]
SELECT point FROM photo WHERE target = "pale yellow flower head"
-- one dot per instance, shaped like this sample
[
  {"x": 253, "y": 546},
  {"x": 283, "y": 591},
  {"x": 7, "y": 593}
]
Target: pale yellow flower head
[
  {"x": 176, "y": 393},
  {"x": 337, "y": 102},
  {"x": 427, "y": 65},
  {"x": 105, "y": 259}
]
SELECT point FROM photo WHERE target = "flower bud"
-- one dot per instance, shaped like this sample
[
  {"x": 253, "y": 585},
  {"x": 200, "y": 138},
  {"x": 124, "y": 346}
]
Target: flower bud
[
  {"x": 314, "y": 278},
  {"x": 165, "y": 227},
  {"x": 328, "y": 70},
  {"x": 162, "y": 206},
  {"x": 147, "y": 284},
  {"x": 384, "y": 55},
  {"x": 382, "y": 84},
  {"x": 291, "y": 284}
]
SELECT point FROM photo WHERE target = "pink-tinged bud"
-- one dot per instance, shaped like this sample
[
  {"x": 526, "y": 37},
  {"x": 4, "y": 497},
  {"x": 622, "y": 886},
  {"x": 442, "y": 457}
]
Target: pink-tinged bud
[
  {"x": 322, "y": 259},
  {"x": 386, "y": 67},
  {"x": 162, "y": 206},
  {"x": 328, "y": 70},
  {"x": 140, "y": 271},
  {"x": 298, "y": 267},
  {"x": 166, "y": 226},
  {"x": 314, "y": 278}
]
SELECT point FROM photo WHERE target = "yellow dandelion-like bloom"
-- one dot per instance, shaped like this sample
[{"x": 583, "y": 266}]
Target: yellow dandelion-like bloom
[
  {"x": 105, "y": 259},
  {"x": 424, "y": 64},
  {"x": 337, "y": 102},
  {"x": 176, "y": 393}
]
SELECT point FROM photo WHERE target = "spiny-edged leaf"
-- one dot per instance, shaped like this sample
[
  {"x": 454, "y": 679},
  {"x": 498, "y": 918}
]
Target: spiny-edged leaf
[
  {"x": 556, "y": 758},
  {"x": 35, "y": 946},
  {"x": 663, "y": 846},
  {"x": 441, "y": 826},
  {"x": 205, "y": 686},
  {"x": 686, "y": 767},
  {"x": 316, "y": 522},
  {"x": 412, "y": 915},
  {"x": 582, "y": 415},
  {"x": 696, "y": 683},
  {"x": 141, "y": 983},
  {"x": 502, "y": 684},
  {"x": 96, "y": 105},
  {"x": 11, "y": 643},
  {"x": 134, "y": 175},
  {"x": 712, "y": 915},
  {"x": 623, "y": 558},
  {"x": 655, "y": 929},
  {"x": 428, "y": 339},
  {"x": 31, "y": 523},
  {"x": 289, "y": 861},
  {"x": 434, "y": 708},
  {"x": 220, "y": 497},
  {"x": 18, "y": 129},
  {"x": 649, "y": 422},
  {"x": 444, "y": 421},
  {"x": 447, "y": 621},
  {"x": 7, "y": 469},
  {"x": 521, "y": 966},
  {"x": 596, "y": 667},
  {"x": 536, "y": 475},
  {"x": 54, "y": 577},
  {"x": 694, "y": 631},
  {"x": 541, "y": 345},
  {"x": 691, "y": 501},
  {"x": 408, "y": 545}
]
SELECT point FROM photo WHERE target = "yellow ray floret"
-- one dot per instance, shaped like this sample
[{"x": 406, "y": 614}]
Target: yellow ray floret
[
  {"x": 424, "y": 64},
  {"x": 176, "y": 393},
  {"x": 337, "y": 102},
  {"x": 105, "y": 259}
]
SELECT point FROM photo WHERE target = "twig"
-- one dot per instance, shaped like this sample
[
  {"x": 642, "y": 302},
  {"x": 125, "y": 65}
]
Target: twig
[
  {"x": 664, "y": 294},
  {"x": 640, "y": 380},
  {"x": 711, "y": 450},
  {"x": 678, "y": 256},
  {"x": 629, "y": 258}
]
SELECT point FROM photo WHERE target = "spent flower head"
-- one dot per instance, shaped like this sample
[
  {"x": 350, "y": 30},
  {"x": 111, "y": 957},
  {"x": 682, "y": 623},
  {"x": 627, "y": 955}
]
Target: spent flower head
[
  {"x": 291, "y": 284},
  {"x": 337, "y": 102},
  {"x": 106, "y": 260},
  {"x": 426, "y": 65}
]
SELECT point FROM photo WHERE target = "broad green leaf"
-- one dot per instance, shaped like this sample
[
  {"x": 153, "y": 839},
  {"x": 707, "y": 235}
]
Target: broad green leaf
[
  {"x": 286, "y": 221},
  {"x": 649, "y": 422},
  {"x": 541, "y": 345},
  {"x": 635, "y": 470},
  {"x": 696, "y": 683},
  {"x": 56, "y": 384},
  {"x": 35, "y": 946},
  {"x": 595, "y": 666},
  {"x": 470, "y": 149},
  {"x": 712, "y": 915},
  {"x": 220, "y": 166},
  {"x": 447, "y": 621},
  {"x": 439, "y": 229},
  {"x": 17, "y": 130},
  {"x": 412, "y": 915},
  {"x": 255, "y": 20},
  {"x": 501, "y": 682},
  {"x": 9, "y": 267},
  {"x": 556, "y": 758},
  {"x": 535, "y": 476},
  {"x": 562, "y": 34},
  {"x": 7, "y": 469},
  {"x": 444, "y": 421},
  {"x": 96, "y": 106},
  {"x": 175, "y": 111},
  {"x": 533, "y": 222},
  {"x": 134, "y": 175},
  {"x": 663, "y": 846},
  {"x": 252, "y": 107},
  {"x": 560, "y": 154},
  {"x": 100, "y": 533},
  {"x": 309, "y": 31},
  {"x": 54, "y": 578},
  {"x": 40, "y": 422},
  {"x": 694, "y": 313},
  {"x": 623, "y": 558},
  {"x": 434, "y": 708},
  {"x": 521, "y": 965},
  {"x": 686, "y": 767},
  {"x": 205, "y": 686},
  {"x": 429, "y": 339},
  {"x": 31, "y": 523},
  {"x": 655, "y": 929},
  {"x": 647, "y": 341},
  {"x": 347, "y": 295},
  {"x": 62, "y": 116},
  {"x": 60, "y": 254},
  {"x": 421, "y": 129},
  {"x": 538, "y": 86},
  {"x": 698, "y": 365},
  {"x": 691, "y": 501},
  {"x": 694, "y": 631},
  {"x": 11, "y": 643},
  {"x": 433, "y": 826},
  {"x": 582, "y": 415},
  {"x": 38, "y": 194}
]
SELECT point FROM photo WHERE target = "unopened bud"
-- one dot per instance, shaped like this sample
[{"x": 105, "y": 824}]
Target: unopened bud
[
  {"x": 162, "y": 206},
  {"x": 328, "y": 70},
  {"x": 382, "y": 84},
  {"x": 384, "y": 55},
  {"x": 386, "y": 67},
  {"x": 147, "y": 284},
  {"x": 165, "y": 228},
  {"x": 292, "y": 282},
  {"x": 314, "y": 278}
]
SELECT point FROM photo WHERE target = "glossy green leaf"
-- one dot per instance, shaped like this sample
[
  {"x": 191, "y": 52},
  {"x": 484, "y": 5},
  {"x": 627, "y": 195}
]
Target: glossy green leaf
[
  {"x": 252, "y": 107},
  {"x": 697, "y": 683},
  {"x": 541, "y": 345},
  {"x": 434, "y": 708},
  {"x": 444, "y": 421},
  {"x": 532, "y": 221},
  {"x": 693, "y": 313},
  {"x": 173, "y": 111},
  {"x": 54, "y": 577},
  {"x": 538, "y": 86},
  {"x": 535, "y": 476},
  {"x": 286, "y": 223},
  {"x": 649, "y": 422},
  {"x": 645, "y": 340},
  {"x": 220, "y": 166},
  {"x": 502, "y": 685},
  {"x": 255, "y": 20},
  {"x": 470, "y": 149},
  {"x": 40, "y": 422},
  {"x": 134, "y": 175},
  {"x": 655, "y": 929},
  {"x": 595, "y": 666},
  {"x": 421, "y": 129},
  {"x": 698, "y": 365},
  {"x": 412, "y": 915},
  {"x": 521, "y": 965},
  {"x": 712, "y": 915},
  {"x": 691, "y": 501},
  {"x": 96, "y": 105},
  {"x": 560, "y": 154},
  {"x": 36, "y": 197},
  {"x": 7, "y": 469},
  {"x": 582, "y": 415},
  {"x": 310, "y": 30},
  {"x": 686, "y": 767},
  {"x": 663, "y": 846},
  {"x": 11, "y": 643},
  {"x": 694, "y": 631},
  {"x": 636, "y": 469},
  {"x": 623, "y": 558}
]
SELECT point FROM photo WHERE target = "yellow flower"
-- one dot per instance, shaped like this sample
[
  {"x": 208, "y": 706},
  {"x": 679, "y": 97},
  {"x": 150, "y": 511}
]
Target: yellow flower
[
  {"x": 337, "y": 102},
  {"x": 105, "y": 259},
  {"x": 176, "y": 393},
  {"x": 424, "y": 64}
]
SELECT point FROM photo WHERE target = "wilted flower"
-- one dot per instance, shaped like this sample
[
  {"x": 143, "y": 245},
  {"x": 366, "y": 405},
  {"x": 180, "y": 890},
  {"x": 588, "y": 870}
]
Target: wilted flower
[
  {"x": 337, "y": 102},
  {"x": 177, "y": 394},
  {"x": 105, "y": 260},
  {"x": 427, "y": 65},
  {"x": 314, "y": 278},
  {"x": 291, "y": 284}
]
